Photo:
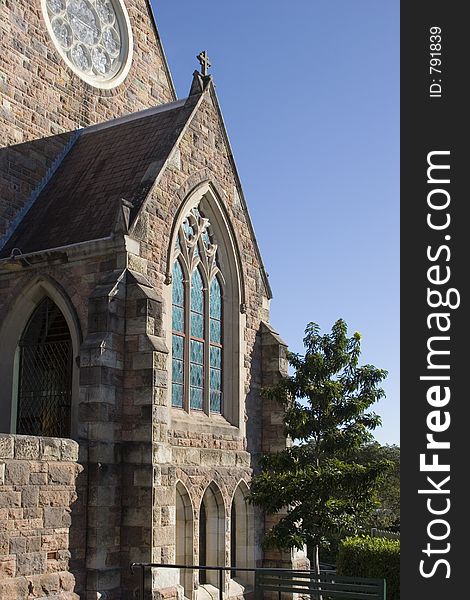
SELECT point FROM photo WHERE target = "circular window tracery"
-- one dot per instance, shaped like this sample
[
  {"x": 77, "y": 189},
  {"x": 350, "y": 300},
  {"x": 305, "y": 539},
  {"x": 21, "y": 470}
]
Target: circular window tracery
[{"x": 94, "y": 38}]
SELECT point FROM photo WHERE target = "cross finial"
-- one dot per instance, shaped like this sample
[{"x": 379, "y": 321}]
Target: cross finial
[{"x": 205, "y": 63}]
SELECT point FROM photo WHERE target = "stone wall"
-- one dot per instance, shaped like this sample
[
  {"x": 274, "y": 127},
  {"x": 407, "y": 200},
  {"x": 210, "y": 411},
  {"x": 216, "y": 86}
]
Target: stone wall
[
  {"x": 37, "y": 488},
  {"x": 41, "y": 96}
]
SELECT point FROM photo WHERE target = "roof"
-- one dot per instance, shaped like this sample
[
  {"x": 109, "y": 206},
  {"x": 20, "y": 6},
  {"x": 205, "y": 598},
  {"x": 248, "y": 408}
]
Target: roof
[
  {"x": 108, "y": 162},
  {"x": 104, "y": 164}
]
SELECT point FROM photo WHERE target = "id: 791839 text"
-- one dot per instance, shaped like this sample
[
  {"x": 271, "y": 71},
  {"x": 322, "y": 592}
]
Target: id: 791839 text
[{"x": 435, "y": 62}]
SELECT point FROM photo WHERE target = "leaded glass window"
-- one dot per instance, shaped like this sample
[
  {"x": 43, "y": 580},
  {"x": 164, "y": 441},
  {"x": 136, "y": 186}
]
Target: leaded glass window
[
  {"x": 197, "y": 318},
  {"x": 196, "y": 391},
  {"x": 45, "y": 374},
  {"x": 215, "y": 329},
  {"x": 178, "y": 336}
]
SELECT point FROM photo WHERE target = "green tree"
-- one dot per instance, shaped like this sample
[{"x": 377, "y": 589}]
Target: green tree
[
  {"x": 314, "y": 485},
  {"x": 387, "y": 513}
]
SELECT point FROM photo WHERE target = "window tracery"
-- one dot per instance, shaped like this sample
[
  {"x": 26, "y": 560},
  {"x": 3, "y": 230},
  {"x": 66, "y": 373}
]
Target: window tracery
[{"x": 93, "y": 37}]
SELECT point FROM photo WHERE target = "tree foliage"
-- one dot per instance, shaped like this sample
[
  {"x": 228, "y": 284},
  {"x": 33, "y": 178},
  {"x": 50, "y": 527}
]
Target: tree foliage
[
  {"x": 387, "y": 513},
  {"x": 315, "y": 485}
]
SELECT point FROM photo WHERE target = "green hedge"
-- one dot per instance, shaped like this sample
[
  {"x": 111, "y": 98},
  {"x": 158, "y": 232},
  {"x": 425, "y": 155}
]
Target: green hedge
[{"x": 371, "y": 557}]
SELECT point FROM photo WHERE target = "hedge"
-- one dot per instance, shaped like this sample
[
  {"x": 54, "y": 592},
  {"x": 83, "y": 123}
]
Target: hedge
[{"x": 371, "y": 557}]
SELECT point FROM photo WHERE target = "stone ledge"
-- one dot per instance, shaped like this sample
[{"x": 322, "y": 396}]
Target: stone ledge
[
  {"x": 53, "y": 586},
  {"x": 26, "y": 447}
]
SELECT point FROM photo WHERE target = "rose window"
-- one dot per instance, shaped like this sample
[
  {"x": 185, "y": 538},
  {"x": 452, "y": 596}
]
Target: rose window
[{"x": 93, "y": 36}]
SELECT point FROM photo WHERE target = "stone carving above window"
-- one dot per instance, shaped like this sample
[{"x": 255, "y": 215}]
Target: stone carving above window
[
  {"x": 93, "y": 37},
  {"x": 195, "y": 245}
]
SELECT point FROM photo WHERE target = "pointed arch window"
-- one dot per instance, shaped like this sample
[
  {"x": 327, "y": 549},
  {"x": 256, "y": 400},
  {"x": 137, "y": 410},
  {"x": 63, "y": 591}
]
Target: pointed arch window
[
  {"x": 197, "y": 318},
  {"x": 178, "y": 335},
  {"x": 184, "y": 537},
  {"x": 211, "y": 534},
  {"x": 196, "y": 390},
  {"x": 45, "y": 374},
  {"x": 215, "y": 334}
]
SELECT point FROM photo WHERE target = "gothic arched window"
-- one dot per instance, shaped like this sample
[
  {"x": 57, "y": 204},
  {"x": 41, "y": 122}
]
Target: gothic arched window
[
  {"x": 242, "y": 545},
  {"x": 196, "y": 372},
  {"x": 197, "y": 342},
  {"x": 178, "y": 335},
  {"x": 184, "y": 538},
  {"x": 45, "y": 374},
  {"x": 215, "y": 336},
  {"x": 211, "y": 534}
]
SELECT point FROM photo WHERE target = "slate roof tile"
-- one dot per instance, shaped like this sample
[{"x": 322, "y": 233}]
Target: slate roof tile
[{"x": 109, "y": 162}]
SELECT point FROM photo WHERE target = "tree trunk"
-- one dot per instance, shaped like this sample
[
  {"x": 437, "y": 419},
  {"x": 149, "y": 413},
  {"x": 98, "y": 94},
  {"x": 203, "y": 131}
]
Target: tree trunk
[{"x": 313, "y": 555}]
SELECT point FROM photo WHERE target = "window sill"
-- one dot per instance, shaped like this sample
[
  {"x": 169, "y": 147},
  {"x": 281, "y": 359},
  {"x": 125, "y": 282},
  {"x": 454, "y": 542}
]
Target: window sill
[
  {"x": 206, "y": 591},
  {"x": 199, "y": 422},
  {"x": 237, "y": 589}
]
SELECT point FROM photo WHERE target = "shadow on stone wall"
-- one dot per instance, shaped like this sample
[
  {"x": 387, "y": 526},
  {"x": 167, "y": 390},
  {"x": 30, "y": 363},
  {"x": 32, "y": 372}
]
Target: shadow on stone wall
[
  {"x": 23, "y": 168},
  {"x": 265, "y": 428}
]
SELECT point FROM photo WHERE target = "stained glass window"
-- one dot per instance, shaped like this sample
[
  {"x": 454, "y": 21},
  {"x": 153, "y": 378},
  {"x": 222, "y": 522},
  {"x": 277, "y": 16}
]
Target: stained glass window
[
  {"x": 197, "y": 305},
  {"x": 178, "y": 337},
  {"x": 202, "y": 327},
  {"x": 188, "y": 229},
  {"x": 215, "y": 302},
  {"x": 196, "y": 393}
]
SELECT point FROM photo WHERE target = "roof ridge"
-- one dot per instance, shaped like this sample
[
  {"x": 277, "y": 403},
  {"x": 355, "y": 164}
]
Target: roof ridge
[
  {"x": 141, "y": 114},
  {"x": 39, "y": 188},
  {"x": 138, "y": 209},
  {"x": 244, "y": 204}
]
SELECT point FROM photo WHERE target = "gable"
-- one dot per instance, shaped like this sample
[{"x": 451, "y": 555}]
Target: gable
[{"x": 204, "y": 156}]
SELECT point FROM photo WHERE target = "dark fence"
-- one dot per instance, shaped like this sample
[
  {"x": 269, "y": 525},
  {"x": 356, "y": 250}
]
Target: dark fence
[{"x": 326, "y": 586}]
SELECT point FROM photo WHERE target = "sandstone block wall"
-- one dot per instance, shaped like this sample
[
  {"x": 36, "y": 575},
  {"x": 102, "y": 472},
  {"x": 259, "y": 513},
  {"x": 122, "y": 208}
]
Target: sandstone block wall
[
  {"x": 41, "y": 96},
  {"x": 37, "y": 487}
]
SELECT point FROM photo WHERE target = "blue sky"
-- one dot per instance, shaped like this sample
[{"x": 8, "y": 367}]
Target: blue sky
[{"x": 310, "y": 95}]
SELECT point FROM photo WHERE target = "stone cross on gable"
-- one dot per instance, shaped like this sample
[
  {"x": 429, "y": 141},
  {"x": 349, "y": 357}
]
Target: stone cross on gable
[{"x": 203, "y": 58}]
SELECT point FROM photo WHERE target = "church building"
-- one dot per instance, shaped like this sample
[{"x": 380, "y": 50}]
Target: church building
[{"x": 134, "y": 304}]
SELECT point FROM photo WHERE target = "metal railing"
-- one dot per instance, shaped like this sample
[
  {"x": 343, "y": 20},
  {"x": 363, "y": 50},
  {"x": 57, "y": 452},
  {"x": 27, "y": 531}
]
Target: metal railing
[
  {"x": 383, "y": 533},
  {"x": 221, "y": 570},
  {"x": 286, "y": 581}
]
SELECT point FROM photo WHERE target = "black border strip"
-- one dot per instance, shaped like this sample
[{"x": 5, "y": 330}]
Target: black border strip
[{"x": 434, "y": 256}]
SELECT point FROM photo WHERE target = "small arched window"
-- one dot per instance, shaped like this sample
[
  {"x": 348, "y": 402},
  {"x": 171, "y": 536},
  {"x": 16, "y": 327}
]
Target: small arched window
[
  {"x": 197, "y": 343},
  {"x": 211, "y": 534},
  {"x": 45, "y": 374},
  {"x": 184, "y": 538},
  {"x": 242, "y": 544}
]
